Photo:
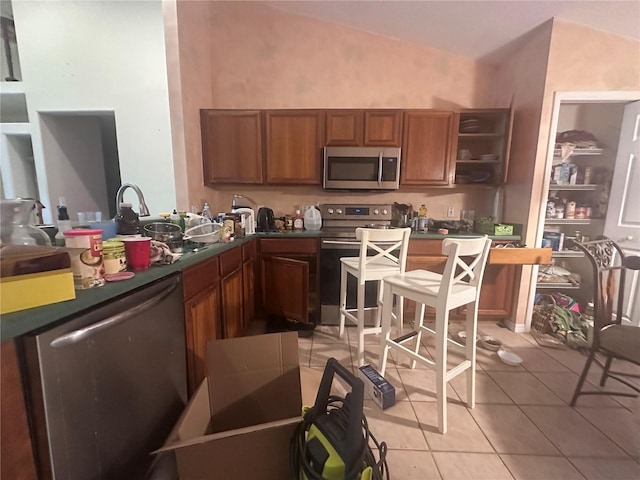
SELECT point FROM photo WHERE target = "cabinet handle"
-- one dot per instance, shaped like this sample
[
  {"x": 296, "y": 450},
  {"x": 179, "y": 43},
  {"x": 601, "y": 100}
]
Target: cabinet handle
[{"x": 86, "y": 332}]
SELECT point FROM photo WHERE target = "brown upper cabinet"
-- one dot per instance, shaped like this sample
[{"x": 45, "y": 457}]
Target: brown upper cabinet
[
  {"x": 484, "y": 141},
  {"x": 232, "y": 150},
  {"x": 363, "y": 128},
  {"x": 427, "y": 147},
  {"x": 284, "y": 147},
  {"x": 294, "y": 140}
]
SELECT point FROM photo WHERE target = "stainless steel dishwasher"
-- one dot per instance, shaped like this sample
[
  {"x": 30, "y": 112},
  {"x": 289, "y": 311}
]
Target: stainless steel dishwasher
[{"x": 107, "y": 387}]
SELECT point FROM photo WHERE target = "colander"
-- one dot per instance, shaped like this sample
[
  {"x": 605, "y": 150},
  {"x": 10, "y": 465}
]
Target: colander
[{"x": 204, "y": 233}]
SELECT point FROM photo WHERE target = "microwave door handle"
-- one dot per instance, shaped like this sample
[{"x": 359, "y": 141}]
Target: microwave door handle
[{"x": 380, "y": 168}]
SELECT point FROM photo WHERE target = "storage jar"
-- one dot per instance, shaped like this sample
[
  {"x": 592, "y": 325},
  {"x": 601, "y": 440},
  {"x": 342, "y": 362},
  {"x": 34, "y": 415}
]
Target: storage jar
[
  {"x": 113, "y": 256},
  {"x": 85, "y": 249}
]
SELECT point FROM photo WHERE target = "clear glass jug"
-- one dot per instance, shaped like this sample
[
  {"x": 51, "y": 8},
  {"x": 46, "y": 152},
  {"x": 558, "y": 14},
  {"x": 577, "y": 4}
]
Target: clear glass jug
[{"x": 16, "y": 226}]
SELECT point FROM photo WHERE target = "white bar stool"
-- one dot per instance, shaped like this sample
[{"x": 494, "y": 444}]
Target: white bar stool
[
  {"x": 444, "y": 292},
  {"x": 382, "y": 252}
]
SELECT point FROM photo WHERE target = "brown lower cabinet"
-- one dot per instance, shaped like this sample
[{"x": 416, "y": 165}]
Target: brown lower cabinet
[
  {"x": 201, "y": 286},
  {"x": 219, "y": 303},
  {"x": 289, "y": 277},
  {"x": 249, "y": 254},
  {"x": 496, "y": 294},
  {"x": 16, "y": 451},
  {"x": 231, "y": 286}
]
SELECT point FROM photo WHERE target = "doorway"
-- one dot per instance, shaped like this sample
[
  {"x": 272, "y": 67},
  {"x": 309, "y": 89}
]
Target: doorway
[{"x": 599, "y": 114}]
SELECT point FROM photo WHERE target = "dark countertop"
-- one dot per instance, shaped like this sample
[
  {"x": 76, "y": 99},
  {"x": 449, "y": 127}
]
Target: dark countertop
[{"x": 34, "y": 319}]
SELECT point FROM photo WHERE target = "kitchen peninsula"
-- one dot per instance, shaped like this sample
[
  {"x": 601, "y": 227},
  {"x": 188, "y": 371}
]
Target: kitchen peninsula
[{"x": 222, "y": 286}]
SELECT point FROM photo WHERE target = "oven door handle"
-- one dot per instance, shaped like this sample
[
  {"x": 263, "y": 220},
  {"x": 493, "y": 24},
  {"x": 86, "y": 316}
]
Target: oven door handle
[
  {"x": 380, "y": 168},
  {"x": 340, "y": 242}
]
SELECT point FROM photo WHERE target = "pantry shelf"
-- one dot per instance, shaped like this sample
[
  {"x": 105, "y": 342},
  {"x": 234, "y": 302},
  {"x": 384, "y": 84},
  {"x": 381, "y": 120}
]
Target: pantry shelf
[
  {"x": 567, "y": 221},
  {"x": 583, "y": 187},
  {"x": 580, "y": 152},
  {"x": 558, "y": 285}
]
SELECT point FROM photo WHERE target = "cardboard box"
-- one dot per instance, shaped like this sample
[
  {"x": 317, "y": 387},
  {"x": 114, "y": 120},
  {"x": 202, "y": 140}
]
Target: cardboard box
[
  {"x": 377, "y": 387},
  {"x": 239, "y": 422}
]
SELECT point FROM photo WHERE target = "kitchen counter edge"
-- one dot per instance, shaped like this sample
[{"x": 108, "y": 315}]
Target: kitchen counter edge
[{"x": 36, "y": 319}]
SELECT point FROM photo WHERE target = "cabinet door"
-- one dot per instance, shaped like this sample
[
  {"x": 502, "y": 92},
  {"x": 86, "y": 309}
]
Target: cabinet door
[
  {"x": 232, "y": 146},
  {"x": 232, "y": 303},
  {"x": 249, "y": 254},
  {"x": 285, "y": 287},
  {"x": 17, "y": 456},
  {"x": 496, "y": 293},
  {"x": 248, "y": 287},
  {"x": 426, "y": 147},
  {"x": 202, "y": 322},
  {"x": 294, "y": 140},
  {"x": 382, "y": 127},
  {"x": 344, "y": 127}
]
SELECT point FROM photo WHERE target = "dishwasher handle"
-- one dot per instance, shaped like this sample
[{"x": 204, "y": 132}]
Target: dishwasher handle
[{"x": 86, "y": 332}]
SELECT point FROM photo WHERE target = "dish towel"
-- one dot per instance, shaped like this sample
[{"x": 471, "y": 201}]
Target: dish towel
[{"x": 161, "y": 254}]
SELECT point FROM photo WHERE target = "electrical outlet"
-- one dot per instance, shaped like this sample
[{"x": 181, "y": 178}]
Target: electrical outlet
[{"x": 451, "y": 212}]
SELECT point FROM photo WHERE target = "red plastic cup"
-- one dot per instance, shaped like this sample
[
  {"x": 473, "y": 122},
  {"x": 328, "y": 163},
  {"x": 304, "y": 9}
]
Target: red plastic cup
[{"x": 137, "y": 250}]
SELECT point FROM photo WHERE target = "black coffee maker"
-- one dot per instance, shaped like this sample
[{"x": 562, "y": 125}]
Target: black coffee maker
[
  {"x": 265, "y": 222},
  {"x": 401, "y": 215}
]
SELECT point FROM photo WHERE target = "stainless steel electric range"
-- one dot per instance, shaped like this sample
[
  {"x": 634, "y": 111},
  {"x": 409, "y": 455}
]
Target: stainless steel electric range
[{"x": 339, "y": 223}]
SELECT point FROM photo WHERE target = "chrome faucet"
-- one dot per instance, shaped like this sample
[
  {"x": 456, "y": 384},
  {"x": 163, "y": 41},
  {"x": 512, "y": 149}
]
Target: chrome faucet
[{"x": 144, "y": 211}]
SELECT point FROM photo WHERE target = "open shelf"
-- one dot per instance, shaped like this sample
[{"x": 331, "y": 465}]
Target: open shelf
[
  {"x": 580, "y": 151},
  {"x": 557, "y": 286},
  {"x": 568, "y": 221},
  {"x": 583, "y": 187}
]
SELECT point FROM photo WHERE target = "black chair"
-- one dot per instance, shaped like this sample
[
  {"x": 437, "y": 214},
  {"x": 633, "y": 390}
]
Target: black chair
[{"x": 611, "y": 338}]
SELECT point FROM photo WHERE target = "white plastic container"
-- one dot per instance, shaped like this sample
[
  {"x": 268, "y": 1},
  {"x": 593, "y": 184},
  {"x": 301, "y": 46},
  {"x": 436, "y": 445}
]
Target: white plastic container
[{"x": 312, "y": 218}]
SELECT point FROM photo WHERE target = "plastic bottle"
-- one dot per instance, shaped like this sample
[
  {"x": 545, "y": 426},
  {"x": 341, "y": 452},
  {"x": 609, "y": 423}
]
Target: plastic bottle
[
  {"x": 64, "y": 223},
  {"x": 422, "y": 211},
  {"x": 298, "y": 222},
  {"x": 206, "y": 211},
  {"x": 176, "y": 220},
  {"x": 127, "y": 221},
  {"x": 312, "y": 218}
]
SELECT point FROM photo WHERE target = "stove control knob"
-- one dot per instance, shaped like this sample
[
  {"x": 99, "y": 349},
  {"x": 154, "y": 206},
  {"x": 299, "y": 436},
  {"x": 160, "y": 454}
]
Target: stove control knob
[
  {"x": 376, "y": 211},
  {"x": 330, "y": 211},
  {"x": 339, "y": 211},
  {"x": 384, "y": 211}
]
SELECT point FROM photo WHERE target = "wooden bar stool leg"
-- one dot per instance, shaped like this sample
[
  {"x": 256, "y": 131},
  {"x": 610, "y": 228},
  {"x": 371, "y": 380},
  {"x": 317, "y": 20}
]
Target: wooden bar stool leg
[
  {"x": 379, "y": 305},
  {"x": 361, "y": 323},
  {"x": 417, "y": 323},
  {"x": 386, "y": 327},
  {"x": 400, "y": 314},
  {"x": 442, "y": 319},
  {"x": 470, "y": 352},
  {"x": 343, "y": 297}
]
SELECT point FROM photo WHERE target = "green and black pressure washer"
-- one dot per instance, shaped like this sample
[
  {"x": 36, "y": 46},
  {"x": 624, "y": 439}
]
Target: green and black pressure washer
[{"x": 332, "y": 441}]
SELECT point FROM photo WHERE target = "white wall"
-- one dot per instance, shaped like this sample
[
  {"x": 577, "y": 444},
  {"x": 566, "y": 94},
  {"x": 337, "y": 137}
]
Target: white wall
[
  {"x": 88, "y": 56},
  {"x": 74, "y": 145}
]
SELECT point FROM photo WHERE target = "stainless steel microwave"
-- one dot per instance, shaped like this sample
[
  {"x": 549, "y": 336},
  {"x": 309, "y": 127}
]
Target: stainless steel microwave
[{"x": 361, "y": 168}]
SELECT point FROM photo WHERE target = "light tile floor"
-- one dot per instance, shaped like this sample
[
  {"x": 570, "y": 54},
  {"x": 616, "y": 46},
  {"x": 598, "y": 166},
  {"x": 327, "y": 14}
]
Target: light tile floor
[{"x": 521, "y": 428}]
